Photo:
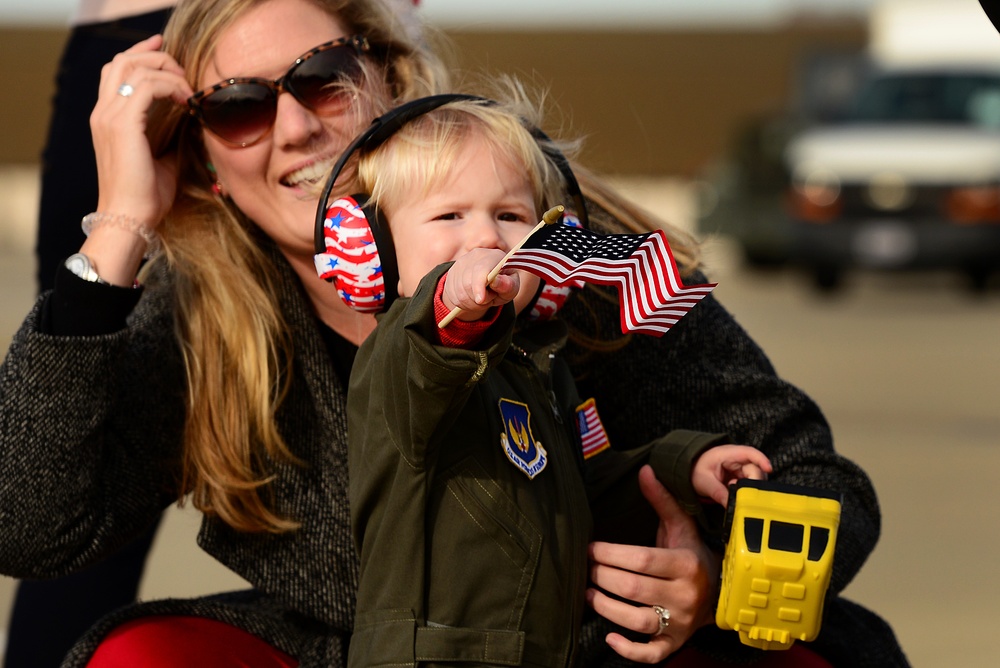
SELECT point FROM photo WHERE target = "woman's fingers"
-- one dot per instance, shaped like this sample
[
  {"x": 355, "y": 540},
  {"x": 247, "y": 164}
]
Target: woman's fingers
[
  {"x": 678, "y": 591},
  {"x": 654, "y": 651},
  {"x": 141, "y": 63},
  {"x": 613, "y": 563},
  {"x": 677, "y": 528},
  {"x": 679, "y": 588},
  {"x": 639, "y": 618},
  {"x": 131, "y": 182},
  {"x": 675, "y": 575},
  {"x": 642, "y": 619}
]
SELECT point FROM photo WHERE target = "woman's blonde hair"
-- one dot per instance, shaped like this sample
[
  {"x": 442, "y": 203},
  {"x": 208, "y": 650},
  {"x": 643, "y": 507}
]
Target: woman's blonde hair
[{"x": 236, "y": 346}]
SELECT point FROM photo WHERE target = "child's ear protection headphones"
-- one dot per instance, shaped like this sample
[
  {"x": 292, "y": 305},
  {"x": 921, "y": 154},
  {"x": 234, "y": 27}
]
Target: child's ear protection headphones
[{"x": 353, "y": 245}]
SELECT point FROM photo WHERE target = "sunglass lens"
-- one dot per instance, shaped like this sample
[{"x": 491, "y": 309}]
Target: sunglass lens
[
  {"x": 318, "y": 82},
  {"x": 241, "y": 113}
]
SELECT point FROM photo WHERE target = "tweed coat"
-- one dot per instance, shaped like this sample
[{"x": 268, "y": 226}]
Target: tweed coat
[{"x": 90, "y": 431}]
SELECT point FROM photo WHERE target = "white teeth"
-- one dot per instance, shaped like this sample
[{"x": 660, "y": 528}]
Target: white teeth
[{"x": 310, "y": 173}]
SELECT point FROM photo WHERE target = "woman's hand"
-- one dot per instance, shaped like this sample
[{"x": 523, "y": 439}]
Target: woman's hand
[
  {"x": 678, "y": 574},
  {"x": 131, "y": 181}
]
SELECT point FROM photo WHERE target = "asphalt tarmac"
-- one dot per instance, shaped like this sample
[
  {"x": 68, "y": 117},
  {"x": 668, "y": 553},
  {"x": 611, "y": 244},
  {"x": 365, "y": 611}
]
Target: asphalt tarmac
[{"x": 907, "y": 371}]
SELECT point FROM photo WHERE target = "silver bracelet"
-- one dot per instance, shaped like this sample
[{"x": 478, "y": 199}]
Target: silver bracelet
[{"x": 98, "y": 218}]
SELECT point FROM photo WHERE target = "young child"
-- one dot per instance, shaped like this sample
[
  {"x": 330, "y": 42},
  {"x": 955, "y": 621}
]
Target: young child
[{"x": 472, "y": 496}]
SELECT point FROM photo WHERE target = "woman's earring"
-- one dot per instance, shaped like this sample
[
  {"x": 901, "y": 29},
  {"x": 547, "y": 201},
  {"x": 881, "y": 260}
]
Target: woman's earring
[{"x": 217, "y": 184}]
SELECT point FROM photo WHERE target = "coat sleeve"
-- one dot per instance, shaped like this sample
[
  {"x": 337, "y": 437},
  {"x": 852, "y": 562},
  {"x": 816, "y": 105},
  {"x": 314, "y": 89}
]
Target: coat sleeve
[
  {"x": 405, "y": 386},
  {"x": 706, "y": 374},
  {"x": 621, "y": 514},
  {"x": 90, "y": 433}
]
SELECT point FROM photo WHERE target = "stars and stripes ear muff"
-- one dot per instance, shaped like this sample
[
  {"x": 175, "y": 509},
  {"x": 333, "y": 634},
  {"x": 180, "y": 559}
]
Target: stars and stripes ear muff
[{"x": 354, "y": 248}]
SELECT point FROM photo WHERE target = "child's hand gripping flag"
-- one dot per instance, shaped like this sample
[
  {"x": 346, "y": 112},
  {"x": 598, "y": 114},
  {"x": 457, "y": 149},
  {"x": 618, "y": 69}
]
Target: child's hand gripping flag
[{"x": 653, "y": 297}]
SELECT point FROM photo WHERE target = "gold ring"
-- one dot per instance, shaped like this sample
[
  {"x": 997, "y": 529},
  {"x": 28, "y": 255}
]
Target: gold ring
[{"x": 662, "y": 618}]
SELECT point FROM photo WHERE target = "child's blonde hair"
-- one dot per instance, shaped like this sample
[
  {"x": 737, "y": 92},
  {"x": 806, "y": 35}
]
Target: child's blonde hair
[{"x": 420, "y": 155}]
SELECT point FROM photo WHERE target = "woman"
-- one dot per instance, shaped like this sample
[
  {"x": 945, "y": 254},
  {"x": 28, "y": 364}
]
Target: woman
[{"x": 224, "y": 376}]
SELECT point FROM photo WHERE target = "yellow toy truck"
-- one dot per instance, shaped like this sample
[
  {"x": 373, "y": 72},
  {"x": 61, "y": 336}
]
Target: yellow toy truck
[{"x": 777, "y": 563}]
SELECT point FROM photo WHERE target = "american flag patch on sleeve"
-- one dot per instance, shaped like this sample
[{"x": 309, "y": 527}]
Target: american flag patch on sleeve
[{"x": 592, "y": 435}]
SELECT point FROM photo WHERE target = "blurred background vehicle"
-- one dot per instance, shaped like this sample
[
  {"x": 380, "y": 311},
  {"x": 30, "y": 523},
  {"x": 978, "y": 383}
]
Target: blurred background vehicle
[
  {"x": 887, "y": 159},
  {"x": 742, "y": 195},
  {"x": 910, "y": 180}
]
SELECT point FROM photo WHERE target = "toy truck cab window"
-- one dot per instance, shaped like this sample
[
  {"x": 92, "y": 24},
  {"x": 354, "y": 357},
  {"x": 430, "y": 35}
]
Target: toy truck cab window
[
  {"x": 753, "y": 530},
  {"x": 785, "y": 536},
  {"x": 819, "y": 538}
]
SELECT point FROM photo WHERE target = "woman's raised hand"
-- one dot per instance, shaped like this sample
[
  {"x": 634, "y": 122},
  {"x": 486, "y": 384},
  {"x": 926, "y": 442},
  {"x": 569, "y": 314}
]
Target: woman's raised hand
[
  {"x": 131, "y": 181},
  {"x": 676, "y": 576}
]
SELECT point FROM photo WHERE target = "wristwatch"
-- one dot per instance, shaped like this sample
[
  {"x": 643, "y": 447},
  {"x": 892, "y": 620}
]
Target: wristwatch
[{"x": 80, "y": 264}]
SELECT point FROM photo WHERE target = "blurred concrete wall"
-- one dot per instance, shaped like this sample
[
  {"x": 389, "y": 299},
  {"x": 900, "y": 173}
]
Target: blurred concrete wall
[{"x": 658, "y": 103}]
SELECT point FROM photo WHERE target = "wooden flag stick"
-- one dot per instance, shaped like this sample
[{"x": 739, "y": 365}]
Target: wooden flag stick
[{"x": 549, "y": 217}]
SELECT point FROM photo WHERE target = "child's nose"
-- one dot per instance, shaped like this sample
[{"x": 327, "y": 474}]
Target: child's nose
[{"x": 482, "y": 231}]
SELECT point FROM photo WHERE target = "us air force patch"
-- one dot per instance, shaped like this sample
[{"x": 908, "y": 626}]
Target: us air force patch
[{"x": 518, "y": 443}]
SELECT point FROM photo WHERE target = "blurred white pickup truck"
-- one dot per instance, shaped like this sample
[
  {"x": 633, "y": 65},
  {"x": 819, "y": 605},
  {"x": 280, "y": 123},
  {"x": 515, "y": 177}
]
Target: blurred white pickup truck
[{"x": 911, "y": 179}]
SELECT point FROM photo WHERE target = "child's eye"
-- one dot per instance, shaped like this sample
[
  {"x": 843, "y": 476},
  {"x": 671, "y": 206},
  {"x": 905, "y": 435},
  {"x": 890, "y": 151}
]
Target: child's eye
[
  {"x": 447, "y": 216},
  {"x": 511, "y": 218}
]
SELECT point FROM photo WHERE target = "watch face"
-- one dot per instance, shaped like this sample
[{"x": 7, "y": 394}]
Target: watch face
[{"x": 79, "y": 264}]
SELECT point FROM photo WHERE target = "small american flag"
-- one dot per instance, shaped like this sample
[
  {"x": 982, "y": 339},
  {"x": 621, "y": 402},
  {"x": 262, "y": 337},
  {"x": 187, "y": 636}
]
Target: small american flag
[
  {"x": 593, "y": 438},
  {"x": 653, "y": 297}
]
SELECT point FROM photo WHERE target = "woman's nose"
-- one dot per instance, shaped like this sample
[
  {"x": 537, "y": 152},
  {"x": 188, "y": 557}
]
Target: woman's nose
[{"x": 294, "y": 124}]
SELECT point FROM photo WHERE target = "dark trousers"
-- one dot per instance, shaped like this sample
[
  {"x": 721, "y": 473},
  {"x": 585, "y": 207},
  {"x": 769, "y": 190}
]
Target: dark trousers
[{"x": 49, "y": 616}]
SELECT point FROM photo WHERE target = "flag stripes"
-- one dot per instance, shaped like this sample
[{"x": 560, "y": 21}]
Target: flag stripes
[{"x": 653, "y": 297}]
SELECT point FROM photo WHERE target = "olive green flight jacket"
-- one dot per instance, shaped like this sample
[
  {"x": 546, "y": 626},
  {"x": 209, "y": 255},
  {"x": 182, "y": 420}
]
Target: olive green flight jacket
[{"x": 471, "y": 502}]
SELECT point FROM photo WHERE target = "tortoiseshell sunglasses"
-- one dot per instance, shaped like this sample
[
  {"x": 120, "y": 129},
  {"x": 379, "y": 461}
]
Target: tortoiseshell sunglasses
[{"x": 241, "y": 111}]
